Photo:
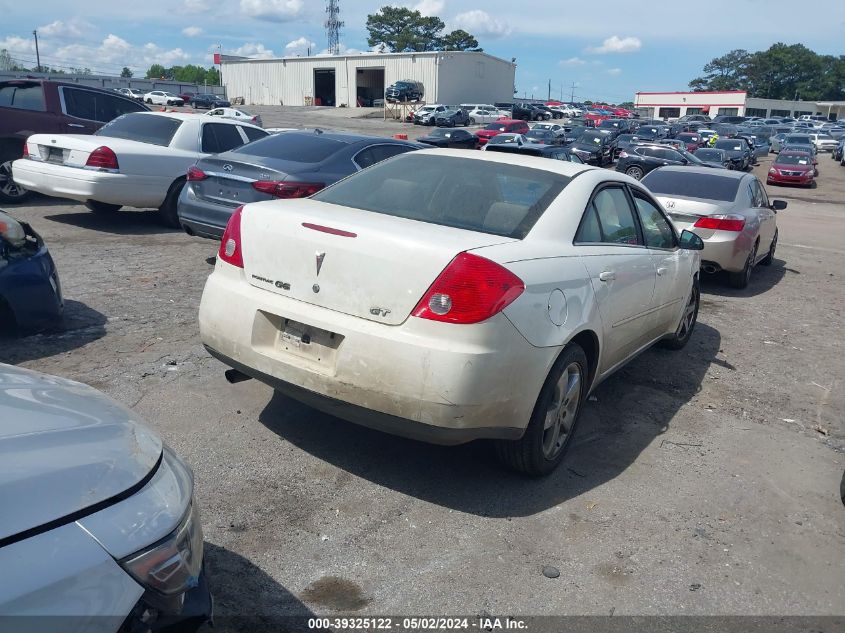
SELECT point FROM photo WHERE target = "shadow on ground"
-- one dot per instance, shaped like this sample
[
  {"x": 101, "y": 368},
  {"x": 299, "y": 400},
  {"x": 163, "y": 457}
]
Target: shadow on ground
[
  {"x": 80, "y": 326},
  {"x": 632, "y": 408},
  {"x": 763, "y": 279},
  {"x": 124, "y": 222},
  {"x": 247, "y": 599}
]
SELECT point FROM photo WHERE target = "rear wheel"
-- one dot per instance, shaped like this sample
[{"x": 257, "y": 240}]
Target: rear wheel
[
  {"x": 10, "y": 191},
  {"x": 167, "y": 210},
  {"x": 102, "y": 207},
  {"x": 552, "y": 425},
  {"x": 688, "y": 320},
  {"x": 741, "y": 279},
  {"x": 635, "y": 172},
  {"x": 770, "y": 257}
]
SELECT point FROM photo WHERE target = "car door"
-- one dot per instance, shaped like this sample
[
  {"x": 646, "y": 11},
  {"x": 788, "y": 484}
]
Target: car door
[
  {"x": 768, "y": 218},
  {"x": 671, "y": 263},
  {"x": 220, "y": 137},
  {"x": 621, "y": 272}
]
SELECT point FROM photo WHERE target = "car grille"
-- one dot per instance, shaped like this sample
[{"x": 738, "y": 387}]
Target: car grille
[{"x": 791, "y": 173}]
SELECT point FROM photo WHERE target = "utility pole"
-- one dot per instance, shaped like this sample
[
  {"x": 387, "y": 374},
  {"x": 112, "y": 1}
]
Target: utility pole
[
  {"x": 550, "y": 90},
  {"x": 572, "y": 95},
  {"x": 37, "y": 56}
]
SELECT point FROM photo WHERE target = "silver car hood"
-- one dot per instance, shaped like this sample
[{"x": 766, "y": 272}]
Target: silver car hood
[{"x": 64, "y": 448}]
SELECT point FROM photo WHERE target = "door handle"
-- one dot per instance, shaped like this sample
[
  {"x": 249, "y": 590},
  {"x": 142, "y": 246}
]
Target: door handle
[
  {"x": 662, "y": 271},
  {"x": 607, "y": 275},
  {"x": 74, "y": 125}
]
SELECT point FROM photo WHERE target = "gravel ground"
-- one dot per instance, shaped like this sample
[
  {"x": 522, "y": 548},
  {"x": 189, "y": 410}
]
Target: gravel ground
[{"x": 702, "y": 482}]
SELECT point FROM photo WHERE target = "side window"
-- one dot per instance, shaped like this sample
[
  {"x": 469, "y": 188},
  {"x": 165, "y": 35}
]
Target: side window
[
  {"x": 615, "y": 217},
  {"x": 758, "y": 196},
  {"x": 656, "y": 229},
  {"x": 227, "y": 136},
  {"x": 80, "y": 103},
  {"x": 109, "y": 108},
  {"x": 22, "y": 97},
  {"x": 378, "y": 153},
  {"x": 589, "y": 231},
  {"x": 646, "y": 151},
  {"x": 764, "y": 197},
  {"x": 209, "y": 140},
  {"x": 253, "y": 134}
]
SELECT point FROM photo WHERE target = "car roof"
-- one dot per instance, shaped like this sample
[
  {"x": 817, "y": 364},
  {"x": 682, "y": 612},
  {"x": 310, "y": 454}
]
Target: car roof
[{"x": 564, "y": 168}]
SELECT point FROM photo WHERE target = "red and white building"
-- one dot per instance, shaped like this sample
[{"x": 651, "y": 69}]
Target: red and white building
[{"x": 671, "y": 105}]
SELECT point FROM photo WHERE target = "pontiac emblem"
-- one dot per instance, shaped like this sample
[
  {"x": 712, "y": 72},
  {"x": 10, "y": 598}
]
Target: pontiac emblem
[{"x": 320, "y": 258}]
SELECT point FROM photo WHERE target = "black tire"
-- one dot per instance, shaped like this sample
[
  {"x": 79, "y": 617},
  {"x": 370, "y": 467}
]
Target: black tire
[
  {"x": 472, "y": 120},
  {"x": 688, "y": 320},
  {"x": 770, "y": 257},
  {"x": 741, "y": 279},
  {"x": 540, "y": 450},
  {"x": 102, "y": 208},
  {"x": 635, "y": 172},
  {"x": 10, "y": 191},
  {"x": 167, "y": 210}
]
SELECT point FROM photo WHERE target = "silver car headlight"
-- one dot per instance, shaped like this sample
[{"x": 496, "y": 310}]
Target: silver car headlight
[{"x": 173, "y": 565}]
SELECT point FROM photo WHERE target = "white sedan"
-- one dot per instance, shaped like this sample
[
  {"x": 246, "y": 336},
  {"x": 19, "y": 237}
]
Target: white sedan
[
  {"x": 447, "y": 296},
  {"x": 159, "y": 97},
  {"x": 486, "y": 115},
  {"x": 137, "y": 160},
  {"x": 236, "y": 114}
]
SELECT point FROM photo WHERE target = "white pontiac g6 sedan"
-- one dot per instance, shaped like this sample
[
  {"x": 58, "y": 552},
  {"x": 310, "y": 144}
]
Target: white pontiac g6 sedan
[
  {"x": 451, "y": 295},
  {"x": 137, "y": 160}
]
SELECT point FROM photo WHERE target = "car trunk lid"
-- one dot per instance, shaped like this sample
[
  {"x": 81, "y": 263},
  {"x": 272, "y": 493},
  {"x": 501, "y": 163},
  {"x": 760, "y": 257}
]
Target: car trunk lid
[
  {"x": 685, "y": 212},
  {"x": 361, "y": 263},
  {"x": 64, "y": 447},
  {"x": 230, "y": 182}
]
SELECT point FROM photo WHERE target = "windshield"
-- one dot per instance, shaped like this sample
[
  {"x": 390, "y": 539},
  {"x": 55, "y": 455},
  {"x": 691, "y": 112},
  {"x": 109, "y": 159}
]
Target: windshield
[
  {"x": 504, "y": 138},
  {"x": 440, "y": 133},
  {"x": 624, "y": 138},
  {"x": 801, "y": 140},
  {"x": 496, "y": 126},
  {"x": 539, "y": 133},
  {"x": 709, "y": 154},
  {"x": 793, "y": 159},
  {"x": 515, "y": 196},
  {"x": 729, "y": 145},
  {"x": 145, "y": 128},
  {"x": 589, "y": 138},
  {"x": 692, "y": 185},
  {"x": 689, "y": 138}
]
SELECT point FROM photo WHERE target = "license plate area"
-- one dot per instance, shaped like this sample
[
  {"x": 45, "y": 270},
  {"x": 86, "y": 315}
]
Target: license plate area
[
  {"x": 296, "y": 343},
  {"x": 55, "y": 155}
]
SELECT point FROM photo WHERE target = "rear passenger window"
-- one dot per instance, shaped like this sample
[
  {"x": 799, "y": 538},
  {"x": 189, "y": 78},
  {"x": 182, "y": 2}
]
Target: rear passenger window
[
  {"x": 22, "y": 97},
  {"x": 96, "y": 106},
  {"x": 253, "y": 134},
  {"x": 220, "y": 137},
  {"x": 614, "y": 217},
  {"x": 378, "y": 153}
]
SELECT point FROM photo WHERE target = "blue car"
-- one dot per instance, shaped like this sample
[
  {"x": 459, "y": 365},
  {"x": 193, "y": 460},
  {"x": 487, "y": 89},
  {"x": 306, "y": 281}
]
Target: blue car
[{"x": 30, "y": 292}]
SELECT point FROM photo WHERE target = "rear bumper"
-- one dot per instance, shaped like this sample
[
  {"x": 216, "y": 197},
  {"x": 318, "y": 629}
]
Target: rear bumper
[
  {"x": 200, "y": 217},
  {"x": 430, "y": 381},
  {"x": 83, "y": 184},
  {"x": 32, "y": 290},
  {"x": 724, "y": 250}
]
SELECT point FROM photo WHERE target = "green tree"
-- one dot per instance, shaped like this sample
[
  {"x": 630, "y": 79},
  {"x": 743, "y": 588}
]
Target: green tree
[
  {"x": 212, "y": 77},
  {"x": 459, "y": 40},
  {"x": 401, "y": 29},
  {"x": 727, "y": 72},
  {"x": 156, "y": 71},
  {"x": 126, "y": 73}
]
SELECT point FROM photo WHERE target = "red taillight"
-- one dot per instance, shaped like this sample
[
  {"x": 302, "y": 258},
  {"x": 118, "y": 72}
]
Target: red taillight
[
  {"x": 25, "y": 151},
  {"x": 254, "y": 119},
  {"x": 231, "y": 250},
  {"x": 102, "y": 158},
  {"x": 469, "y": 290},
  {"x": 623, "y": 154},
  {"x": 721, "y": 223},
  {"x": 195, "y": 173},
  {"x": 282, "y": 189}
]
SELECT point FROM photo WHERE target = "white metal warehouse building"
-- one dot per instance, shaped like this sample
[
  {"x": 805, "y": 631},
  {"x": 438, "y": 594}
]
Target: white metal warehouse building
[
  {"x": 448, "y": 77},
  {"x": 672, "y": 105}
]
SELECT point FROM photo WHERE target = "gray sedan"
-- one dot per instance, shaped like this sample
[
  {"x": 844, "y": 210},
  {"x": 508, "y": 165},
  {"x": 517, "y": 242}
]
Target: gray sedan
[
  {"x": 729, "y": 210},
  {"x": 285, "y": 165},
  {"x": 99, "y": 530}
]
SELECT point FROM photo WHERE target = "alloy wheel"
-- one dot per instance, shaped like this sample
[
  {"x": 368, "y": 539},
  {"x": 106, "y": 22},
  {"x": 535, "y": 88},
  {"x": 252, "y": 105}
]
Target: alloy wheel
[
  {"x": 562, "y": 411},
  {"x": 635, "y": 172},
  {"x": 9, "y": 187},
  {"x": 689, "y": 316}
]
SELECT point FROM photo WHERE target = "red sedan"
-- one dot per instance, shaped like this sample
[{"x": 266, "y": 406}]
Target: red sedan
[
  {"x": 501, "y": 126},
  {"x": 792, "y": 168},
  {"x": 691, "y": 140}
]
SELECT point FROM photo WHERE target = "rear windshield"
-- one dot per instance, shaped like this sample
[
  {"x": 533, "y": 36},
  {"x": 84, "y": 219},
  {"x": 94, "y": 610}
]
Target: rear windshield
[
  {"x": 799, "y": 139},
  {"x": 146, "y": 128},
  {"x": 302, "y": 148},
  {"x": 691, "y": 185},
  {"x": 477, "y": 195}
]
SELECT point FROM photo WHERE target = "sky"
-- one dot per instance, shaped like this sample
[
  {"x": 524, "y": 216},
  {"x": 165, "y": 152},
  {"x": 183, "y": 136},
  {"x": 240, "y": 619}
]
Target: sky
[{"x": 607, "y": 49}]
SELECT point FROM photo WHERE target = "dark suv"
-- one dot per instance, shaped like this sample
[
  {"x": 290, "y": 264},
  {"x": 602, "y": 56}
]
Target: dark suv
[
  {"x": 32, "y": 106},
  {"x": 405, "y": 90}
]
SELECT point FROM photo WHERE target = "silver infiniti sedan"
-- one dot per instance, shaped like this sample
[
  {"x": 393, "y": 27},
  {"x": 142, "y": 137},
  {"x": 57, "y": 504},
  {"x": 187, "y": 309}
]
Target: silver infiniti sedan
[
  {"x": 99, "y": 530},
  {"x": 729, "y": 210}
]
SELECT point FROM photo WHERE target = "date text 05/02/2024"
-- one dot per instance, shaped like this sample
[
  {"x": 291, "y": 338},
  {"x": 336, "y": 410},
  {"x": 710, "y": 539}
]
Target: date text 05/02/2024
[{"x": 401, "y": 625}]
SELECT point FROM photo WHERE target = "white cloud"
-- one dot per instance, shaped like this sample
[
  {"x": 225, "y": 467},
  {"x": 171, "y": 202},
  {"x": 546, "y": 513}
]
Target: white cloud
[
  {"x": 480, "y": 23},
  {"x": 429, "y": 7},
  {"x": 195, "y": 6},
  {"x": 273, "y": 10},
  {"x": 614, "y": 71},
  {"x": 572, "y": 62},
  {"x": 299, "y": 46},
  {"x": 18, "y": 45},
  {"x": 71, "y": 29},
  {"x": 254, "y": 50},
  {"x": 192, "y": 31},
  {"x": 615, "y": 44}
]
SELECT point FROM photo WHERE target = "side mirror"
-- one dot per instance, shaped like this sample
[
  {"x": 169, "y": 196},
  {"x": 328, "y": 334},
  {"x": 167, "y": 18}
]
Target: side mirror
[
  {"x": 778, "y": 205},
  {"x": 690, "y": 241}
]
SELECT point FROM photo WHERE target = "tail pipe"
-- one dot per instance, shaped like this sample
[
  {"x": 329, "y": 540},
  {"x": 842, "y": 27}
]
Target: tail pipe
[
  {"x": 234, "y": 376},
  {"x": 708, "y": 268}
]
